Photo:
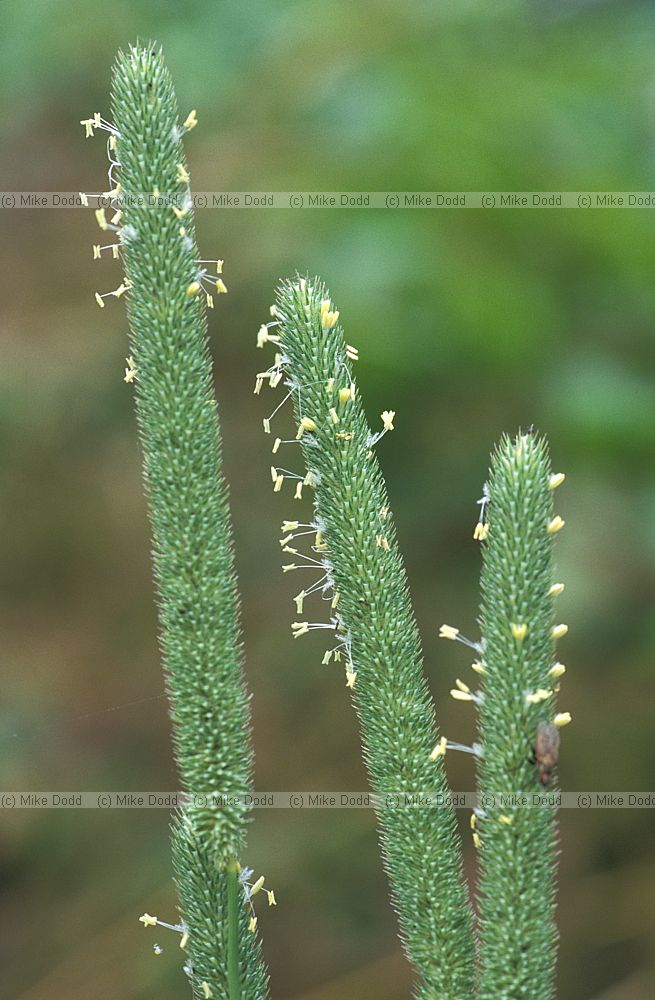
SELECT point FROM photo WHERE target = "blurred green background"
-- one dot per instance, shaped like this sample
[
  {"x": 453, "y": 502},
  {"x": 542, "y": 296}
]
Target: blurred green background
[{"x": 469, "y": 323}]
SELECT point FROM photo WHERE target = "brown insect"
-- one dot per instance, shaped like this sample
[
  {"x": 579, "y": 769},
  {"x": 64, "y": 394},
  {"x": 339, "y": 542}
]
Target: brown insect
[{"x": 546, "y": 751}]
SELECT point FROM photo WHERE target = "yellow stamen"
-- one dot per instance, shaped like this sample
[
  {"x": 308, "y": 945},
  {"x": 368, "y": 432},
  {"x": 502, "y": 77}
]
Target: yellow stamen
[
  {"x": 191, "y": 120},
  {"x": 448, "y": 632},
  {"x": 257, "y": 886},
  {"x": 440, "y": 749},
  {"x": 555, "y": 525}
]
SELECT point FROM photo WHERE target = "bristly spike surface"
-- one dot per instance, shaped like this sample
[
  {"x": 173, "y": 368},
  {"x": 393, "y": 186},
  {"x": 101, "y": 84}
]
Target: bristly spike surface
[
  {"x": 420, "y": 846},
  {"x": 517, "y": 845},
  {"x": 192, "y": 539}
]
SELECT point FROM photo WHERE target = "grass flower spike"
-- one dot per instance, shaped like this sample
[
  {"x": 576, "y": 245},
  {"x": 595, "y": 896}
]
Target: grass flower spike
[
  {"x": 169, "y": 368},
  {"x": 518, "y": 719},
  {"x": 359, "y": 570}
]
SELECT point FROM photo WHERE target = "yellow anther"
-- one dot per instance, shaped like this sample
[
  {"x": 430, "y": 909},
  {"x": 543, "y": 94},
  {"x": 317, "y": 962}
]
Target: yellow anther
[
  {"x": 352, "y": 353},
  {"x": 184, "y": 940},
  {"x": 221, "y": 287},
  {"x": 473, "y": 821},
  {"x": 507, "y": 820},
  {"x": 440, "y": 749},
  {"x": 520, "y": 631},
  {"x": 541, "y": 694},
  {"x": 96, "y": 251},
  {"x": 209, "y": 300},
  {"x": 460, "y": 695},
  {"x": 182, "y": 174},
  {"x": 481, "y": 531},
  {"x": 278, "y": 484},
  {"x": 206, "y": 990},
  {"x": 351, "y": 677},
  {"x": 116, "y": 217},
  {"x": 179, "y": 212},
  {"x": 271, "y": 897},
  {"x": 257, "y": 886},
  {"x": 344, "y": 395},
  {"x": 559, "y": 631},
  {"x": 298, "y": 493},
  {"x": 299, "y": 601},
  {"x": 462, "y": 686},
  {"x": 130, "y": 371},
  {"x": 478, "y": 667},
  {"x": 100, "y": 218},
  {"x": 193, "y": 288},
  {"x": 555, "y": 525},
  {"x": 387, "y": 419},
  {"x": 448, "y": 632},
  {"x": 556, "y": 590},
  {"x": 562, "y": 719},
  {"x": 334, "y": 416},
  {"x": 148, "y": 921},
  {"x": 556, "y": 480},
  {"x": 100, "y": 300},
  {"x": 267, "y": 425},
  {"x": 557, "y": 670},
  {"x": 191, "y": 120},
  {"x": 477, "y": 843}
]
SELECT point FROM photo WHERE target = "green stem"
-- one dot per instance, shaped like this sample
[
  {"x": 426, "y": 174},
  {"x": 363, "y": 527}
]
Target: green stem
[{"x": 233, "y": 978}]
